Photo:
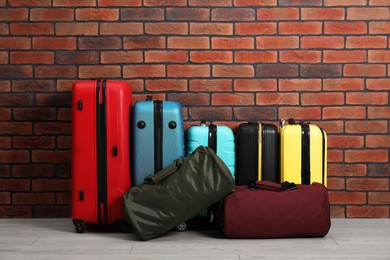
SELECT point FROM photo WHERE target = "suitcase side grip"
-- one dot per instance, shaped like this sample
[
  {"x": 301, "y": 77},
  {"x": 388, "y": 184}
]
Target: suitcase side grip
[
  {"x": 115, "y": 151},
  {"x": 80, "y": 105}
]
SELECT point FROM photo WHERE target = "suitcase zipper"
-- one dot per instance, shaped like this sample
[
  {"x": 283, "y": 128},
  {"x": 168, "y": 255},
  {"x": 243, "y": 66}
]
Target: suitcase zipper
[
  {"x": 158, "y": 136},
  {"x": 212, "y": 140},
  {"x": 305, "y": 162},
  {"x": 101, "y": 129}
]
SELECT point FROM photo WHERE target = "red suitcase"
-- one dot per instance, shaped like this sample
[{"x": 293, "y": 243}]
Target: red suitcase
[{"x": 100, "y": 151}]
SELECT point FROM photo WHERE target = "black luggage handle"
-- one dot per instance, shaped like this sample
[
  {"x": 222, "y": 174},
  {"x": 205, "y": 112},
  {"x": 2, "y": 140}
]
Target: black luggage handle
[{"x": 267, "y": 185}]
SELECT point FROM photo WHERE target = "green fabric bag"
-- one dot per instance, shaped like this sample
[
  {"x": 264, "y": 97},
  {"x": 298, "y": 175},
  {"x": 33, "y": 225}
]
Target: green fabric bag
[{"x": 177, "y": 193}]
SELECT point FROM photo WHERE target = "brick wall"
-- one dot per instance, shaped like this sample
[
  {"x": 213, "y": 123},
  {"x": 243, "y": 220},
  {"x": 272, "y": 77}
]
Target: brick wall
[{"x": 326, "y": 61}]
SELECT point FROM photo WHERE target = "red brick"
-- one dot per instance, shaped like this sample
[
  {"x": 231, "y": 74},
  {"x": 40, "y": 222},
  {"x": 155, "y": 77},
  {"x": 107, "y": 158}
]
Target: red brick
[
  {"x": 381, "y": 56},
  {"x": 379, "y": 13},
  {"x": 54, "y": 100},
  {"x": 188, "y": 14},
  {"x": 379, "y": 27},
  {"x": 344, "y": 56},
  {"x": 165, "y": 56},
  {"x": 300, "y": 113},
  {"x": 165, "y": 28},
  {"x": 211, "y": 85},
  {"x": 142, "y": 97},
  {"x": 378, "y": 112},
  {"x": 254, "y": 113},
  {"x": 52, "y": 14},
  {"x": 255, "y": 28},
  {"x": 379, "y": 169},
  {"x": 254, "y": 85},
  {"x": 15, "y": 43},
  {"x": 50, "y": 185},
  {"x": 51, "y": 211},
  {"x": 300, "y": 28},
  {"x": 322, "y": 14},
  {"x": 29, "y": 2},
  {"x": 347, "y": 170},
  {"x": 345, "y": 28},
  {"x": 371, "y": 126},
  {"x": 369, "y": 42},
  {"x": 335, "y": 156},
  {"x": 4, "y": 29},
  {"x": 232, "y": 99},
  {"x": 5, "y": 114},
  {"x": 16, "y": 100},
  {"x": 64, "y": 114},
  {"x": 345, "y": 141},
  {"x": 232, "y": 43},
  {"x": 345, "y": 112},
  {"x": 140, "y": 71},
  {"x": 345, "y": 2},
  {"x": 366, "y": 156},
  {"x": 378, "y": 2},
  {"x": 277, "y": 42},
  {"x": 3, "y": 57},
  {"x": 166, "y": 85},
  {"x": 33, "y": 198},
  {"x": 362, "y": 98},
  {"x": 364, "y": 70},
  {"x": 13, "y": 128},
  {"x": 77, "y": 3},
  {"x": 5, "y": 142},
  {"x": 233, "y": 14},
  {"x": 5, "y": 198},
  {"x": 322, "y": 42},
  {"x": 15, "y": 72},
  {"x": 33, "y": 85},
  {"x": 378, "y": 141},
  {"x": 54, "y": 43},
  {"x": 210, "y": 113},
  {"x": 32, "y": 29},
  {"x": 100, "y": 71},
  {"x": 344, "y": 84},
  {"x": 77, "y": 57},
  {"x": 32, "y": 57},
  {"x": 100, "y": 14},
  {"x": 379, "y": 197},
  {"x": 277, "y": 70},
  {"x": 165, "y": 2},
  {"x": 337, "y": 211},
  {"x": 211, "y": 56},
  {"x": 347, "y": 197},
  {"x": 320, "y": 71},
  {"x": 256, "y": 57},
  {"x": 14, "y": 156},
  {"x": 299, "y": 84},
  {"x": 336, "y": 183},
  {"x": 77, "y": 29},
  {"x": 278, "y": 14},
  {"x": 210, "y": 3},
  {"x": 329, "y": 98},
  {"x": 14, "y": 184},
  {"x": 16, "y": 211},
  {"x": 188, "y": 71},
  {"x": 33, "y": 170},
  {"x": 300, "y": 56},
  {"x": 99, "y": 43},
  {"x": 29, "y": 114},
  {"x": 144, "y": 42},
  {"x": 13, "y": 14},
  {"x": 64, "y": 85},
  {"x": 255, "y": 2},
  {"x": 5, "y": 86},
  {"x": 55, "y": 72},
  {"x": 188, "y": 43},
  {"x": 42, "y": 156},
  {"x": 63, "y": 198},
  {"x": 277, "y": 99},
  {"x": 120, "y": 2},
  {"x": 33, "y": 142},
  {"x": 188, "y": 99},
  {"x": 236, "y": 71},
  {"x": 211, "y": 28},
  {"x": 300, "y": 2},
  {"x": 143, "y": 14},
  {"x": 330, "y": 127},
  {"x": 367, "y": 212},
  {"x": 367, "y": 184},
  {"x": 64, "y": 142},
  {"x": 52, "y": 128},
  {"x": 121, "y": 57}
]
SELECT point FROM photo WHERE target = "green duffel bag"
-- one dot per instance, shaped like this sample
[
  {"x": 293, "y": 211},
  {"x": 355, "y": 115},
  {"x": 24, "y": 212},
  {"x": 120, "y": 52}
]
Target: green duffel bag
[{"x": 177, "y": 193}]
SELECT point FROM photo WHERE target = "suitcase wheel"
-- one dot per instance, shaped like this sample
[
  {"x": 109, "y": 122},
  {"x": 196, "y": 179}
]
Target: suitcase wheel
[
  {"x": 182, "y": 226},
  {"x": 79, "y": 225},
  {"x": 123, "y": 226}
]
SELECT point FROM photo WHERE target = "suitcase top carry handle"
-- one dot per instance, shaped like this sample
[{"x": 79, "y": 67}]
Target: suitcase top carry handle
[
  {"x": 268, "y": 185},
  {"x": 164, "y": 173}
]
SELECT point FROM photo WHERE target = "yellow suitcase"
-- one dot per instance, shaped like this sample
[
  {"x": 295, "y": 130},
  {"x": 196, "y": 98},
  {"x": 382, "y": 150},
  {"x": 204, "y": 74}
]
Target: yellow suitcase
[{"x": 303, "y": 148}]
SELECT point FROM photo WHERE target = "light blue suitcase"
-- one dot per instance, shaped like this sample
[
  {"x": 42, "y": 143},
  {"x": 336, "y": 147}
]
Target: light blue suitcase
[
  {"x": 218, "y": 138},
  {"x": 158, "y": 137}
]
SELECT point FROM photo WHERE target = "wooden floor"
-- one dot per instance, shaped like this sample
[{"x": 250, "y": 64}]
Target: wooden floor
[{"x": 56, "y": 239}]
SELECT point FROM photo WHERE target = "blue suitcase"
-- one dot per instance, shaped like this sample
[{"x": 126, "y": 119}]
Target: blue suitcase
[
  {"x": 158, "y": 137},
  {"x": 218, "y": 138}
]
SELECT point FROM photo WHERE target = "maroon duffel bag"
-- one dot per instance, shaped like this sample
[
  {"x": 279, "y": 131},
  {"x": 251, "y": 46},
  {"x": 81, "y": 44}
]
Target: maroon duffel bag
[{"x": 271, "y": 210}]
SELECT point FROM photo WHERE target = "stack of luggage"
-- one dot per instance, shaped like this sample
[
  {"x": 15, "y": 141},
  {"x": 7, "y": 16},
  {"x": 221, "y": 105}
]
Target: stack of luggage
[{"x": 136, "y": 166}]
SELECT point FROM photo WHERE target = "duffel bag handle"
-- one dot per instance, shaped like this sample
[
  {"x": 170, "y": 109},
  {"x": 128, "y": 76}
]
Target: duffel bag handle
[
  {"x": 267, "y": 185},
  {"x": 164, "y": 173}
]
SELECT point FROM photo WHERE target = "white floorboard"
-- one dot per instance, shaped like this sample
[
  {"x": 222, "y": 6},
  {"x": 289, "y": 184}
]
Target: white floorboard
[{"x": 53, "y": 239}]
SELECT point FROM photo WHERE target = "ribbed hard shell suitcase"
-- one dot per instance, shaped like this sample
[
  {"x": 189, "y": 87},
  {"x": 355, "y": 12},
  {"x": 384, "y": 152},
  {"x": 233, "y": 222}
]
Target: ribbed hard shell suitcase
[
  {"x": 303, "y": 149},
  {"x": 219, "y": 138},
  {"x": 258, "y": 153},
  {"x": 158, "y": 137},
  {"x": 100, "y": 151}
]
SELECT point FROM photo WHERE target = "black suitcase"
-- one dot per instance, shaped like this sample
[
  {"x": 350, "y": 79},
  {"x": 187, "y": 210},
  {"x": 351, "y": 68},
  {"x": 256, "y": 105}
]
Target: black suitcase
[{"x": 258, "y": 153}]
